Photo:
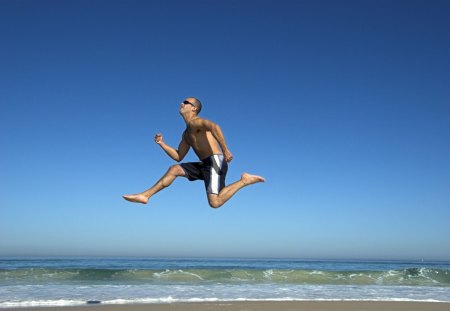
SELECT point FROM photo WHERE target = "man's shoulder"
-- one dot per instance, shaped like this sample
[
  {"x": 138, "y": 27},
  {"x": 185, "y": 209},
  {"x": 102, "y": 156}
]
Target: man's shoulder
[
  {"x": 201, "y": 121},
  {"x": 196, "y": 123}
]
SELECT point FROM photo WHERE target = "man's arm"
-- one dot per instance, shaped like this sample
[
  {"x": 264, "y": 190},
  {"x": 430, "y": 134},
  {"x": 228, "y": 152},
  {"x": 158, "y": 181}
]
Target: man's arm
[
  {"x": 177, "y": 155},
  {"x": 217, "y": 133}
]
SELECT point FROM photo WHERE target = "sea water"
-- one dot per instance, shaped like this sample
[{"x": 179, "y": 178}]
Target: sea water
[{"x": 78, "y": 281}]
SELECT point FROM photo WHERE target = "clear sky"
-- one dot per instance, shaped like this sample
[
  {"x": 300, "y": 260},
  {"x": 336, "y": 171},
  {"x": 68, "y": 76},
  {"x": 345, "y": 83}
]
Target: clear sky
[{"x": 343, "y": 106}]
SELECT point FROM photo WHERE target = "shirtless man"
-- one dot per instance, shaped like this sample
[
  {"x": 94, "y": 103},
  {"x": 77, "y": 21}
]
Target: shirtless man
[{"x": 207, "y": 140}]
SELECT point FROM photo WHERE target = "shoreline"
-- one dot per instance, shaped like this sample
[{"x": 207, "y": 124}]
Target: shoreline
[{"x": 254, "y": 306}]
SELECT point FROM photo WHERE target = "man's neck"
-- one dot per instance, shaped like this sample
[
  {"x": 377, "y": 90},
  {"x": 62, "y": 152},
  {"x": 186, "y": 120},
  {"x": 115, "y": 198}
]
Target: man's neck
[{"x": 188, "y": 118}]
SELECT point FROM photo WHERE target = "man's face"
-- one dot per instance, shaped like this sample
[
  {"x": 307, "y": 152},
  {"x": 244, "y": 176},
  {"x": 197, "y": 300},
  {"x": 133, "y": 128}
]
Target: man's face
[{"x": 186, "y": 104}]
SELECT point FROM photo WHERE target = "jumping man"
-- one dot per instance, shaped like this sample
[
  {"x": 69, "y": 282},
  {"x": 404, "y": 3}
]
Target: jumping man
[{"x": 207, "y": 140}]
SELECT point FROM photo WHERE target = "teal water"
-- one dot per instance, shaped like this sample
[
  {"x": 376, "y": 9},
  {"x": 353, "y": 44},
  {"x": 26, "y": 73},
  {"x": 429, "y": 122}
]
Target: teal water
[{"x": 74, "y": 281}]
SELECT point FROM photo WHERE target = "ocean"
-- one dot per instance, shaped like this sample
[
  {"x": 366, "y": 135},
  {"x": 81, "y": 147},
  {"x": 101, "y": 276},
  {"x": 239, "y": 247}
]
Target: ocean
[{"x": 26, "y": 282}]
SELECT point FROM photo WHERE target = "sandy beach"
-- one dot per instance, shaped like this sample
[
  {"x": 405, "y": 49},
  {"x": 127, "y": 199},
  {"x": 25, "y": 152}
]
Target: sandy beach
[{"x": 261, "y": 306}]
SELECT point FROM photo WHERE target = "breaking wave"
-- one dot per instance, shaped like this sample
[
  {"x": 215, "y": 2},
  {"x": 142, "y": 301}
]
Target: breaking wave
[{"x": 406, "y": 277}]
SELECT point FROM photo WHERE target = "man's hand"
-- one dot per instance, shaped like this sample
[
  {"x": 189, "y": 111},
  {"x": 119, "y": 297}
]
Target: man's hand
[
  {"x": 228, "y": 156},
  {"x": 159, "y": 139}
]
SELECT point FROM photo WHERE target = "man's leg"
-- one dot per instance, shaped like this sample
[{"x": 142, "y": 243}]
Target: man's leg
[
  {"x": 165, "y": 181},
  {"x": 217, "y": 200}
]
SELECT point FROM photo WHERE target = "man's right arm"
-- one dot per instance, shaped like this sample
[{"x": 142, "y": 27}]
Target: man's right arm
[{"x": 177, "y": 155}]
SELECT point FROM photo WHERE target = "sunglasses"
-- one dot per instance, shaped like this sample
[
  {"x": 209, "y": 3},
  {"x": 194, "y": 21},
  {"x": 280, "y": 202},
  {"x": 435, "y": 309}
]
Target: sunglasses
[{"x": 189, "y": 103}]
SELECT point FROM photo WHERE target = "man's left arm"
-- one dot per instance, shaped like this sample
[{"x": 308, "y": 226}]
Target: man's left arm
[{"x": 218, "y": 135}]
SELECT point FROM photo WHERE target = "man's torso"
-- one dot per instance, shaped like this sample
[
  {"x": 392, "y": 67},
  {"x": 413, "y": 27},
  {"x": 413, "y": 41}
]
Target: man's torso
[{"x": 203, "y": 142}]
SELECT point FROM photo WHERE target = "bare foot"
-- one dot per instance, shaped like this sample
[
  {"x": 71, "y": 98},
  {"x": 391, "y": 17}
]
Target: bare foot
[
  {"x": 136, "y": 198},
  {"x": 248, "y": 179}
]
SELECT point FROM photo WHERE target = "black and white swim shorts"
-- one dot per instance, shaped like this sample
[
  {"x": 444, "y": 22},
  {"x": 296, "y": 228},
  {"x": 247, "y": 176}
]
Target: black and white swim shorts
[{"x": 212, "y": 170}]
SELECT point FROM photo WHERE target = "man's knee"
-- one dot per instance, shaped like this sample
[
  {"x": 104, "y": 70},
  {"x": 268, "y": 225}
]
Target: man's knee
[
  {"x": 173, "y": 172},
  {"x": 176, "y": 170},
  {"x": 214, "y": 201}
]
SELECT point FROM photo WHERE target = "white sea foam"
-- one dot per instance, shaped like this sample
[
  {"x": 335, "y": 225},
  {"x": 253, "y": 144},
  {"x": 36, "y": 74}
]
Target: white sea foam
[
  {"x": 130, "y": 294},
  {"x": 41, "y": 303}
]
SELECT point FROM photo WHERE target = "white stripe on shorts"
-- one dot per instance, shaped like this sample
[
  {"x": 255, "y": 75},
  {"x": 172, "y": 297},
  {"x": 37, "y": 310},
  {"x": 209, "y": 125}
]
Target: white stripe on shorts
[{"x": 215, "y": 170}]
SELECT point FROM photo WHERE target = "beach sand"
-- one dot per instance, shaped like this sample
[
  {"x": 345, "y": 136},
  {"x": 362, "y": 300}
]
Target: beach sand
[{"x": 260, "y": 306}]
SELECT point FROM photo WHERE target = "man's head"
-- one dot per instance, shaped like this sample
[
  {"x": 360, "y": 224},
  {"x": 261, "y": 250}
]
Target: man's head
[{"x": 195, "y": 103}]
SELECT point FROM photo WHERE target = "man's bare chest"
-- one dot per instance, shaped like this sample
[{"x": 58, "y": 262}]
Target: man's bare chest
[{"x": 194, "y": 136}]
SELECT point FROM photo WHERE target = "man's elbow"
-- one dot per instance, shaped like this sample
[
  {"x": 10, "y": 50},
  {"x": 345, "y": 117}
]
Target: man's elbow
[
  {"x": 178, "y": 158},
  {"x": 215, "y": 128}
]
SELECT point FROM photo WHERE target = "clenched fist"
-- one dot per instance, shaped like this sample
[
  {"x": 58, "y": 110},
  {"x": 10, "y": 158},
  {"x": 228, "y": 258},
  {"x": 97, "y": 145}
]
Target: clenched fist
[{"x": 159, "y": 139}]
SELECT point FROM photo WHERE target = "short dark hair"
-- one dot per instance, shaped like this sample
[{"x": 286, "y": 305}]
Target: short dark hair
[{"x": 197, "y": 104}]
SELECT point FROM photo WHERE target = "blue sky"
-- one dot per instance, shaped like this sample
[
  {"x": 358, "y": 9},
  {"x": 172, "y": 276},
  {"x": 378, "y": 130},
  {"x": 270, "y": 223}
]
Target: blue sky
[{"x": 343, "y": 106}]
